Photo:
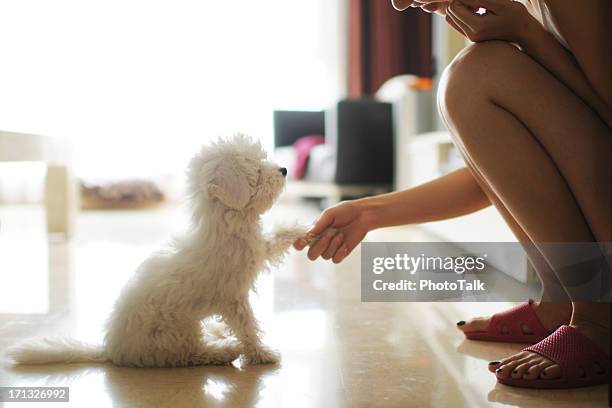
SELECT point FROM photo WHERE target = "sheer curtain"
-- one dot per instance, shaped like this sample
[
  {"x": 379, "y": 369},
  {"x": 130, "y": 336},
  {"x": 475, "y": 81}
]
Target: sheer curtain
[{"x": 138, "y": 85}]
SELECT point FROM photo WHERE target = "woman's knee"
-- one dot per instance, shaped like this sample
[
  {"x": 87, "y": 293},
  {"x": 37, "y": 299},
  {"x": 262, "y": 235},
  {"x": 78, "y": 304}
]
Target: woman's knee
[{"x": 472, "y": 75}]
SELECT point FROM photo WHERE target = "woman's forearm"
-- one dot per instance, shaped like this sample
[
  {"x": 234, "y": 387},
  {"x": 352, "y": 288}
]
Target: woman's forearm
[
  {"x": 540, "y": 45},
  {"x": 449, "y": 196}
]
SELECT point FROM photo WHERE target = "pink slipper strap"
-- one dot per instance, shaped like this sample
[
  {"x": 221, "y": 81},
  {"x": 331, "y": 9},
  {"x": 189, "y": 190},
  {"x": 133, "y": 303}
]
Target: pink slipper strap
[
  {"x": 514, "y": 319},
  {"x": 572, "y": 350}
]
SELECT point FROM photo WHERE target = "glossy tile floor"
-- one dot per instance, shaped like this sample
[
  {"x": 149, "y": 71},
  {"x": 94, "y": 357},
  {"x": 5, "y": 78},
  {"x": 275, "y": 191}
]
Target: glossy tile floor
[{"x": 337, "y": 351}]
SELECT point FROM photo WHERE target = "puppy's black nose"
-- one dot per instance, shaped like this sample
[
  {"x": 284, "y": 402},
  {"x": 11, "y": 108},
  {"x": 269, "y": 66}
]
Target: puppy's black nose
[{"x": 283, "y": 171}]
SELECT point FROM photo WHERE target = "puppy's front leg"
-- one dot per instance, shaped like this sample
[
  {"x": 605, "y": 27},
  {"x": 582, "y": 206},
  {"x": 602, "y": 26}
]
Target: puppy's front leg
[
  {"x": 281, "y": 241},
  {"x": 241, "y": 320}
]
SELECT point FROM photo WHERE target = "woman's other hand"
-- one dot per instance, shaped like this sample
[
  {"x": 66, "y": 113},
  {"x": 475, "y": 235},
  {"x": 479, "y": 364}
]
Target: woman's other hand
[
  {"x": 482, "y": 20},
  {"x": 352, "y": 224},
  {"x": 430, "y": 6},
  {"x": 401, "y": 5},
  {"x": 433, "y": 6}
]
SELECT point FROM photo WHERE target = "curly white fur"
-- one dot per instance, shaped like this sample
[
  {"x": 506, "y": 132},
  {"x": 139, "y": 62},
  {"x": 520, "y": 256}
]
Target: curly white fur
[{"x": 157, "y": 319}]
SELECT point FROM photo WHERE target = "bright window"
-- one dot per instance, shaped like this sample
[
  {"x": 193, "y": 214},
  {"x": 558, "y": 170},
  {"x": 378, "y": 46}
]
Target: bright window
[{"x": 138, "y": 85}]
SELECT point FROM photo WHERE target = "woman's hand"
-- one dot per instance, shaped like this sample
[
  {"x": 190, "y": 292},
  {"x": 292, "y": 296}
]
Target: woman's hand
[
  {"x": 352, "y": 224},
  {"x": 430, "y": 6},
  {"x": 401, "y": 5},
  {"x": 433, "y": 6},
  {"x": 482, "y": 20}
]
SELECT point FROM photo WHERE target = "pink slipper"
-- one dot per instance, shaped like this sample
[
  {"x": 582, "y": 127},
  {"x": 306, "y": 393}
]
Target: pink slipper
[
  {"x": 573, "y": 351},
  {"x": 513, "y": 320}
]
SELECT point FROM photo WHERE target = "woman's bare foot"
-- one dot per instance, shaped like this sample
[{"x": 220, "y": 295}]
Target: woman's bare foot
[
  {"x": 527, "y": 365},
  {"x": 551, "y": 315}
]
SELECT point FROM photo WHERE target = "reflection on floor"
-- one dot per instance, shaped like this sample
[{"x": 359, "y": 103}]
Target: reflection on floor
[{"x": 337, "y": 351}]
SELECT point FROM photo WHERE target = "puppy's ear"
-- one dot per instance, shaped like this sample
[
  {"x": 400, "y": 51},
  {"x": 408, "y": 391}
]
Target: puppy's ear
[{"x": 230, "y": 185}]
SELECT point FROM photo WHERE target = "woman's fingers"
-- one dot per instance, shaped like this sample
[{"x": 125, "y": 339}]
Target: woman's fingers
[
  {"x": 401, "y": 5},
  {"x": 325, "y": 220},
  {"x": 465, "y": 15},
  {"x": 340, "y": 217},
  {"x": 301, "y": 243},
  {"x": 456, "y": 24},
  {"x": 351, "y": 240},
  {"x": 436, "y": 7},
  {"x": 336, "y": 246},
  {"x": 333, "y": 246},
  {"x": 319, "y": 247},
  {"x": 451, "y": 22},
  {"x": 489, "y": 5},
  {"x": 340, "y": 254},
  {"x": 453, "y": 12}
]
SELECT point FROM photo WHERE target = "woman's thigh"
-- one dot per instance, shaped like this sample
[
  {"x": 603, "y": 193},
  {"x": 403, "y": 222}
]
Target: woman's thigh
[{"x": 516, "y": 119}]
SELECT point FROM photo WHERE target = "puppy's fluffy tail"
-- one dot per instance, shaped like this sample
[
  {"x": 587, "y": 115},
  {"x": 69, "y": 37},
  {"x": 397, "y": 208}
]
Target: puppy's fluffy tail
[{"x": 55, "y": 350}]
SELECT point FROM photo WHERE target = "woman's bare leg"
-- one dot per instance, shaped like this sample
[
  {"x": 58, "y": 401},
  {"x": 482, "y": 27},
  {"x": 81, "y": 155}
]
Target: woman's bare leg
[
  {"x": 542, "y": 151},
  {"x": 555, "y": 308}
]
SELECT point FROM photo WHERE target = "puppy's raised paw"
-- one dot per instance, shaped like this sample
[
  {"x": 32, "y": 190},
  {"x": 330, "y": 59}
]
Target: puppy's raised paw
[
  {"x": 290, "y": 234},
  {"x": 311, "y": 240},
  {"x": 263, "y": 355}
]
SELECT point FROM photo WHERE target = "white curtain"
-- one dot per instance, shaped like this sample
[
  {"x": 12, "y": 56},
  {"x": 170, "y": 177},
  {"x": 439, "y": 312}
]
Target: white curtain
[{"x": 139, "y": 84}]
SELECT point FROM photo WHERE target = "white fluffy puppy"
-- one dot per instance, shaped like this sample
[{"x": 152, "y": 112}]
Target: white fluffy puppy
[{"x": 157, "y": 319}]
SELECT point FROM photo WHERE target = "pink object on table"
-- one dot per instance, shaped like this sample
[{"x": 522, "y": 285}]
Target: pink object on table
[{"x": 302, "y": 147}]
